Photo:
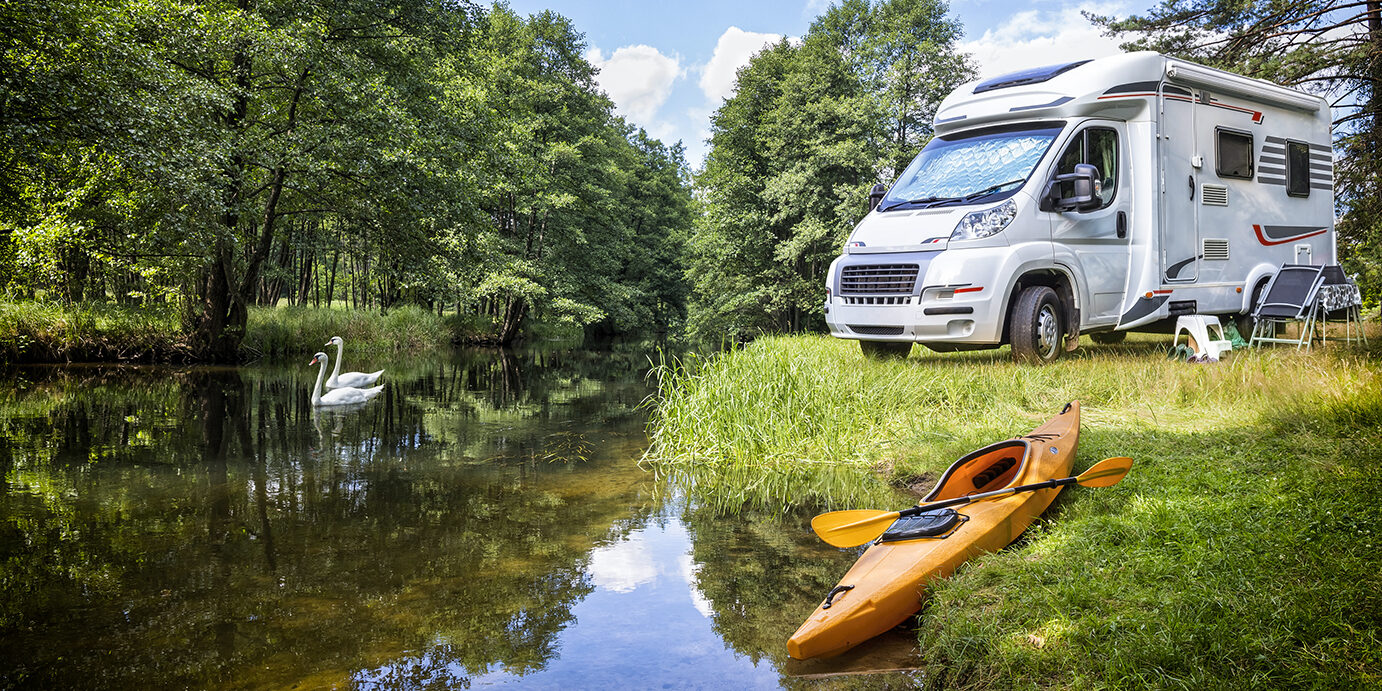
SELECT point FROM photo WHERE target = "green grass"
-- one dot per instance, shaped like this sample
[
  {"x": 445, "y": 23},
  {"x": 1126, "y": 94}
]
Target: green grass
[
  {"x": 42, "y": 332},
  {"x": 1240, "y": 552},
  {"x": 299, "y": 330}
]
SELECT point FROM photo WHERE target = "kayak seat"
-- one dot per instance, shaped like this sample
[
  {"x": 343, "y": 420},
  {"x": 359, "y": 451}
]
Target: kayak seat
[
  {"x": 933, "y": 524},
  {"x": 995, "y": 471},
  {"x": 992, "y": 467}
]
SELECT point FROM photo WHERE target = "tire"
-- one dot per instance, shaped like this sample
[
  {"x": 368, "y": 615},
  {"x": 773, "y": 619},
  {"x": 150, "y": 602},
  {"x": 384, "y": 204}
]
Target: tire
[
  {"x": 1109, "y": 337},
  {"x": 1037, "y": 327},
  {"x": 885, "y": 350}
]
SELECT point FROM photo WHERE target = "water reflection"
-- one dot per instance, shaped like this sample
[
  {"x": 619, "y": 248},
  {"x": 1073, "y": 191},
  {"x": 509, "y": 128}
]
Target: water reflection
[{"x": 483, "y": 521}]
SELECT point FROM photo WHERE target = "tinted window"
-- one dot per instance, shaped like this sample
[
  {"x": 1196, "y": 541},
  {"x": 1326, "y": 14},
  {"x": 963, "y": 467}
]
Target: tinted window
[
  {"x": 1297, "y": 169},
  {"x": 1234, "y": 154}
]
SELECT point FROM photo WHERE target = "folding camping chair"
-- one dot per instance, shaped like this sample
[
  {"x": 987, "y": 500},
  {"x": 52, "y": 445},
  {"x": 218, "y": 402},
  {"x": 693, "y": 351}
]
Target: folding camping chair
[
  {"x": 1289, "y": 297},
  {"x": 1339, "y": 300}
]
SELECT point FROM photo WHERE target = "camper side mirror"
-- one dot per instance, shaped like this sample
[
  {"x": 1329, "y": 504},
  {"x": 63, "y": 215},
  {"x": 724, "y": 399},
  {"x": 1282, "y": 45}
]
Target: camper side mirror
[
  {"x": 876, "y": 196},
  {"x": 1072, "y": 191}
]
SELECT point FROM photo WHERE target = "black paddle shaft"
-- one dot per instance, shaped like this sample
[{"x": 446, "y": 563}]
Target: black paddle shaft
[{"x": 961, "y": 501}]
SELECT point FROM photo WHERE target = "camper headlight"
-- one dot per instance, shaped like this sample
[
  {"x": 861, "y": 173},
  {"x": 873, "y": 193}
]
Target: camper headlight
[{"x": 981, "y": 224}]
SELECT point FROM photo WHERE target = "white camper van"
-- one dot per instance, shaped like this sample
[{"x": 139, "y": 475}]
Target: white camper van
[{"x": 1092, "y": 197}]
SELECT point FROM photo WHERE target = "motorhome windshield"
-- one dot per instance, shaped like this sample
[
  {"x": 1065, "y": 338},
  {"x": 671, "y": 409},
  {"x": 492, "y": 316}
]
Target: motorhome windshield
[{"x": 970, "y": 168}]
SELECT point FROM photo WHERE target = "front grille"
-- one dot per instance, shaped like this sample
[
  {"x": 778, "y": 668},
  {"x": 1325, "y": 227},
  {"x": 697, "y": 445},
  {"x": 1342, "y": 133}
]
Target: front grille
[
  {"x": 876, "y": 330},
  {"x": 878, "y": 279}
]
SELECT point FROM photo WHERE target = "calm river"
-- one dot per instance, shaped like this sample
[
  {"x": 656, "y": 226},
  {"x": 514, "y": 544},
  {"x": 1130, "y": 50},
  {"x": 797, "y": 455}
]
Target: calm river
[{"x": 482, "y": 523}]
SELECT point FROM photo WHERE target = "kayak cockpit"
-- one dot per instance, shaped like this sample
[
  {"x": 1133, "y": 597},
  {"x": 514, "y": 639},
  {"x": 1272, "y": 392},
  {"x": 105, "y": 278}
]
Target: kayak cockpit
[{"x": 993, "y": 467}]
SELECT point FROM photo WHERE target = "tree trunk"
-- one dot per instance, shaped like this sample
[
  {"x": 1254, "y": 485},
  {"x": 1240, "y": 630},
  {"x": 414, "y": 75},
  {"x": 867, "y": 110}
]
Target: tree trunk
[
  {"x": 331, "y": 281},
  {"x": 513, "y": 316}
]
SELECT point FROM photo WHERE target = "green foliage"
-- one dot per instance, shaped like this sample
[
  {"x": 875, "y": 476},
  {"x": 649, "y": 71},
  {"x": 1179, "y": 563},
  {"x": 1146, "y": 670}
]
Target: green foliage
[
  {"x": 214, "y": 156},
  {"x": 795, "y": 150},
  {"x": 1331, "y": 48}
]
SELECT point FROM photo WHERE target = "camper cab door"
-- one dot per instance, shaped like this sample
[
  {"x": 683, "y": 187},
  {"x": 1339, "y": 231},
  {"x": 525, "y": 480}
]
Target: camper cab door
[{"x": 1096, "y": 239}]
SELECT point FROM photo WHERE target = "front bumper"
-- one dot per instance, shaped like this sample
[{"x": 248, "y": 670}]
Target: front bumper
[{"x": 949, "y": 301}]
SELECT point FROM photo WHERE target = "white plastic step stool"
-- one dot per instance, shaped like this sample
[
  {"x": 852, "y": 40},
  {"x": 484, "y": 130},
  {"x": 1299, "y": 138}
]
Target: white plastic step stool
[{"x": 1200, "y": 330}]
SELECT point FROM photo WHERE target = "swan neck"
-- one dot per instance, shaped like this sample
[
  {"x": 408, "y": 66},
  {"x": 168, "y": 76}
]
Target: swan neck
[
  {"x": 317, "y": 388},
  {"x": 336, "y": 373}
]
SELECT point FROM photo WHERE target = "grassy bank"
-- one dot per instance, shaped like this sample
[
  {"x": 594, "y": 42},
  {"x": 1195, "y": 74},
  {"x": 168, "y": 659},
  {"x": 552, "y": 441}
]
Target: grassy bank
[
  {"x": 39, "y": 332},
  {"x": 1241, "y": 552},
  {"x": 296, "y": 330}
]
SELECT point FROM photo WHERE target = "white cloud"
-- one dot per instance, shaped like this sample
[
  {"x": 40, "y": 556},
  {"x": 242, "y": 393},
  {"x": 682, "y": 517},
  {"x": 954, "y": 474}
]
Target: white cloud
[
  {"x": 732, "y": 51},
  {"x": 815, "y": 8},
  {"x": 1033, "y": 38},
  {"x": 689, "y": 571},
  {"x": 638, "y": 79},
  {"x": 623, "y": 566}
]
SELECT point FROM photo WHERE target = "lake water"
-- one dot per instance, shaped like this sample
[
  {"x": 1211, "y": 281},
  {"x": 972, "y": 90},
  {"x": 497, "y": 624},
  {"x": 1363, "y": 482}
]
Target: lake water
[{"x": 483, "y": 523}]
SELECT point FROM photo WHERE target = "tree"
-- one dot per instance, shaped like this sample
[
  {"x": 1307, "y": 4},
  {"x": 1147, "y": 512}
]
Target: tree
[
  {"x": 1331, "y": 48},
  {"x": 795, "y": 150},
  {"x": 221, "y": 154}
]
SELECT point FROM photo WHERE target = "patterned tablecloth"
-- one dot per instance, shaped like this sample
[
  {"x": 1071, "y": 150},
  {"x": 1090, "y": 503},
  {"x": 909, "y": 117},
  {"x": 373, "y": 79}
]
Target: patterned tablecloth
[{"x": 1337, "y": 296}]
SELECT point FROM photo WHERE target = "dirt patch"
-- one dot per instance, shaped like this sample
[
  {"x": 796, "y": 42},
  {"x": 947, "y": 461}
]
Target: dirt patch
[{"x": 916, "y": 484}]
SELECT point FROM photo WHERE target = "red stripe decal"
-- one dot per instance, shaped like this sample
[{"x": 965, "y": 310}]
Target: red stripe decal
[{"x": 1269, "y": 242}]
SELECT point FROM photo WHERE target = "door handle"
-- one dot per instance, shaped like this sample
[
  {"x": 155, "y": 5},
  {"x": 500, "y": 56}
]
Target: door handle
[
  {"x": 1122, "y": 224},
  {"x": 1191, "y": 180}
]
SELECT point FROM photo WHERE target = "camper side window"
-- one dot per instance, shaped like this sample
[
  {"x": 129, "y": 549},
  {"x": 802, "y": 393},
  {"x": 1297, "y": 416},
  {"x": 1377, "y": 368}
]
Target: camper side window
[
  {"x": 1233, "y": 154},
  {"x": 1097, "y": 146},
  {"x": 1297, "y": 169}
]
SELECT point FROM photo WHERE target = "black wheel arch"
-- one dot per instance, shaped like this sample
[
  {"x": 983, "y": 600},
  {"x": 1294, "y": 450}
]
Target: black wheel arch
[{"x": 1056, "y": 280}]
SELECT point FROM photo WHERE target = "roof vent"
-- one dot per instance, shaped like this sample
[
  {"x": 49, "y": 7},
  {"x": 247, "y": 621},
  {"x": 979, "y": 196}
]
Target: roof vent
[{"x": 1035, "y": 75}]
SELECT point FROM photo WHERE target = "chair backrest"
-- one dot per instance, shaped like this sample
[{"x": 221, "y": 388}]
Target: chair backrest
[
  {"x": 1334, "y": 275},
  {"x": 1290, "y": 292}
]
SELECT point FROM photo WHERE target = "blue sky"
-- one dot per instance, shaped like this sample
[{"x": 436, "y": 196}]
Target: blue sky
[{"x": 668, "y": 66}]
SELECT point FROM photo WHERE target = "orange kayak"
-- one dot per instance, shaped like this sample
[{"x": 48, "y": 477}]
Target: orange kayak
[{"x": 887, "y": 584}]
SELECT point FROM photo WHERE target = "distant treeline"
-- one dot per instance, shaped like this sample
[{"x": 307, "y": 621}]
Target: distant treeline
[
  {"x": 211, "y": 156},
  {"x": 218, "y": 155}
]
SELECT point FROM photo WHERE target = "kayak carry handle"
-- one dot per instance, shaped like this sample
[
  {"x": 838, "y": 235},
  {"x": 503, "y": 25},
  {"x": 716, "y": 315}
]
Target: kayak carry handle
[{"x": 837, "y": 590}]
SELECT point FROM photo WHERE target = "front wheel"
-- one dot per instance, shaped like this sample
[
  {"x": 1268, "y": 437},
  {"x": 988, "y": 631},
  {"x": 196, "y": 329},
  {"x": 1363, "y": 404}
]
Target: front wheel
[
  {"x": 883, "y": 350},
  {"x": 1036, "y": 327}
]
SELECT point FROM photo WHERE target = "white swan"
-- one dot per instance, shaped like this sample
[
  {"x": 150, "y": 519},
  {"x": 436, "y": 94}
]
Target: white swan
[
  {"x": 355, "y": 380},
  {"x": 345, "y": 395}
]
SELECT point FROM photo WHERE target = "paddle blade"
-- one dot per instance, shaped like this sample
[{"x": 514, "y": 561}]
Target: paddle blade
[
  {"x": 1105, "y": 473},
  {"x": 852, "y": 528}
]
